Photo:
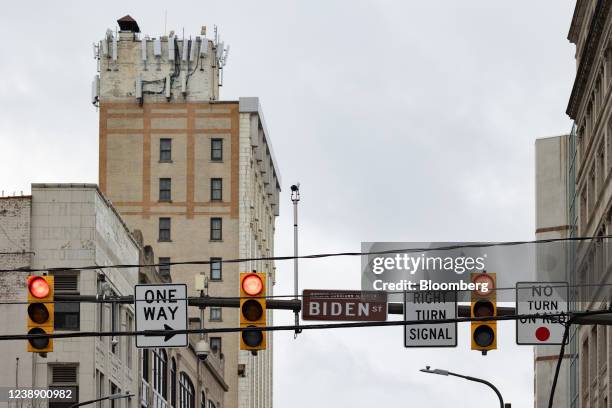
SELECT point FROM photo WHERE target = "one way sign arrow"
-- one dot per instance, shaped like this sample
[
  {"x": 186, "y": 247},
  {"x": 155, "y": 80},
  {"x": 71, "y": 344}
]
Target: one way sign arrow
[
  {"x": 161, "y": 310},
  {"x": 167, "y": 337}
]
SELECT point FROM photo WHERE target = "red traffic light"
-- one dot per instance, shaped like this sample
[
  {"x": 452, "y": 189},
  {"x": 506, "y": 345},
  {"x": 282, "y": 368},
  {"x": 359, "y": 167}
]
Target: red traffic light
[
  {"x": 38, "y": 287},
  {"x": 252, "y": 285},
  {"x": 484, "y": 279}
]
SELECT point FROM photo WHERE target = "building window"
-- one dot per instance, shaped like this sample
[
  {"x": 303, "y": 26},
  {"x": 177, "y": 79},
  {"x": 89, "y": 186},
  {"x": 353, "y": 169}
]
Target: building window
[
  {"x": 64, "y": 377},
  {"x": 187, "y": 393},
  {"x": 67, "y": 316},
  {"x": 215, "y": 269},
  {"x": 216, "y": 149},
  {"x": 164, "y": 266},
  {"x": 202, "y": 399},
  {"x": 115, "y": 325},
  {"x": 165, "y": 189},
  {"x": 173, "y": 382},
  {"x": 100, "y": 392},
  {"x": 129, "y": 320},
  {"x": 215, "y": 229},
  {"x": 215, "y": 314},
  {"x": 216, "y": 189},
  {"x": 165, "y": 150},
  {"x": 160, "y": 362},
  {"x": 114, "y": 403},
  {"x": 145, "y": 365},
  {"x": 215, "y": 344},
  {"x": 164, "y": 229}
]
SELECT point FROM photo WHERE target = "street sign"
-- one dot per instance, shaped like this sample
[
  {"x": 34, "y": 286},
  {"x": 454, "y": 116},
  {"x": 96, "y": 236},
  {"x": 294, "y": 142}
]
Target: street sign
[
  {"x": 430, "y": 305},
  {"x": 543, "y": 299},
  {"x": 161, "y": 307},
  {"x": 344, "y": 305}
]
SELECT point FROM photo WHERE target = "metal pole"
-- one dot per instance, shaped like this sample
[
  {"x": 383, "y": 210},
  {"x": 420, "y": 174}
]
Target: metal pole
[{"x": 295, "y": 198}]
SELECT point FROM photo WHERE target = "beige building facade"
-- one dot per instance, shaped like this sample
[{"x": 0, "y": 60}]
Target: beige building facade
[
  {"x": 167, "y": 375},
  {"x": 589, "y": 199},
  {"x": 197, "y": 176},
  {"x": 69, "y": 226}
]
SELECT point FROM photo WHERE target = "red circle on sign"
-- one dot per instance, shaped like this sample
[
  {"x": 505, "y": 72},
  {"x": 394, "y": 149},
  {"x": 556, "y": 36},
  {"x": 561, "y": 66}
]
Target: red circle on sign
[{"x": 542, "y": 333}]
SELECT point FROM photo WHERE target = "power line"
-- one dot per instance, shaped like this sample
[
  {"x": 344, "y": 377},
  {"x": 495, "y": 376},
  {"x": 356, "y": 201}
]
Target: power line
[
  {"x": 130, "y": 298},
  {"x": 312, "y": 256},
  {"x": 574, "y": 315}
]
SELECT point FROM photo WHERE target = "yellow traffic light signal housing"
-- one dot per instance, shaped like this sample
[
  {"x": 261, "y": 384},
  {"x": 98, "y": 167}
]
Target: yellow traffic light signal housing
[
  {"x": 484, "y": 304},
  {"x": 40, "y": 312},
  {"x": 252, "y": 310}
]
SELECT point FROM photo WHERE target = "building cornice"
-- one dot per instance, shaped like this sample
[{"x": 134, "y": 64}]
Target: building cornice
[
  {"x": 574, "y": 31},
  {"x": 589, "y": 53}
]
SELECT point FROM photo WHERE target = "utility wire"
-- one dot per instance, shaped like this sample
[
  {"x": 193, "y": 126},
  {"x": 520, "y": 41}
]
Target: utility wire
[
  {"x": 312, "y": 256},
  {"x": 292, "y": 327},
  {"x": 122, "y": 299}
]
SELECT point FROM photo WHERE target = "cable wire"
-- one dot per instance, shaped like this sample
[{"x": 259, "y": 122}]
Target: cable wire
[
  {"x": 122, "y": 299},
  {"x": 322, "y": 326},
  {"x": 311, "y": 256}
]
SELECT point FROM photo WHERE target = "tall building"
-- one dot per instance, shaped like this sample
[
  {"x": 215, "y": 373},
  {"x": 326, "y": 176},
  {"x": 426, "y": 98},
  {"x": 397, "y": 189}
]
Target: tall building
[
  {"x": 551, "y": 182},
  {"x": 196, "y": 175},
  {"x": 589, "y": 199}
]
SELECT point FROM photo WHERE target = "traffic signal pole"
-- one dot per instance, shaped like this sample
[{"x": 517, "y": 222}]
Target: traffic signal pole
[{"x": 296, "y": 306}]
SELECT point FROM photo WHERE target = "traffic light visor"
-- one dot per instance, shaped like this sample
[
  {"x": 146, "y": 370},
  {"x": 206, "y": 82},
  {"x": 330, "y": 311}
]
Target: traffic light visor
[
  {"x": 252, "y": 310},
  {"x": 484, "y": 336},
  {"x": 252, "y": 338},
  {"x": 39, "y": 343},
  {"x": 39, "y": 287},
  {"x": 38, "y": 313},
  {"x": 484, "y": 308},
  {"x": 252, "y": 285}
]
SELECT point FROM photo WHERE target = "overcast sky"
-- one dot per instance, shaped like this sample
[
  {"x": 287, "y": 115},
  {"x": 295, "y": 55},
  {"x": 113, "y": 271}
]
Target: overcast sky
[{"x": 403, "y": 121}]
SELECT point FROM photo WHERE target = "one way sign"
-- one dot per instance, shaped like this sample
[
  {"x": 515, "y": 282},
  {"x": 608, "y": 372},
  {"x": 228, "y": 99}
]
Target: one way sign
[{"x": 161, "y": 307}]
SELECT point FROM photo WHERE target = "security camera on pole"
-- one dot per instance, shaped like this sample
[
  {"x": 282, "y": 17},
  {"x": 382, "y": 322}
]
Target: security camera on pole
[{"x": 295, "y": 198}]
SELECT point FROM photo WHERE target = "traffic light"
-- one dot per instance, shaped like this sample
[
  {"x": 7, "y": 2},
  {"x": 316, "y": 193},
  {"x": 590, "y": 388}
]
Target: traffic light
[
  {"x": 40, "y": 312},
  {"x": 252, "y": 310},
  {"x": 484, "y": 304}
]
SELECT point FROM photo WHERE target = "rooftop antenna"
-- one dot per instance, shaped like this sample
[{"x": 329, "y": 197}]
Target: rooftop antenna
[{"x": 165, "y": 21}]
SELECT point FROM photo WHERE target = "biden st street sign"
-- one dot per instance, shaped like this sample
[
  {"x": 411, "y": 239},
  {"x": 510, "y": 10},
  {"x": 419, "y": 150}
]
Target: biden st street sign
[
  {"x": 344, "y": 305},
  {"x": 547, "y": 302},
  {"x": 161, "y": 307}
]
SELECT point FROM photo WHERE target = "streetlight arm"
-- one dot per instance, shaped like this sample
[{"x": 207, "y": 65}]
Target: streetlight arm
[{"x": 480, "y": 380}]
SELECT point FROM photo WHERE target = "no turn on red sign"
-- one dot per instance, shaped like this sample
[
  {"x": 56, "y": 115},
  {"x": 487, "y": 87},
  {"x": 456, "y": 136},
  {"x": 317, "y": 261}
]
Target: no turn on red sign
[{"x": 547, "y": 304}]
